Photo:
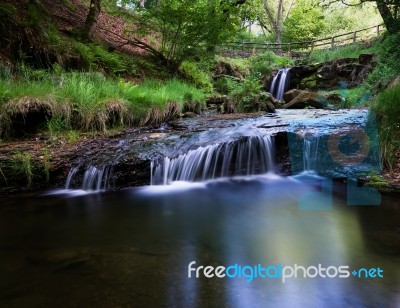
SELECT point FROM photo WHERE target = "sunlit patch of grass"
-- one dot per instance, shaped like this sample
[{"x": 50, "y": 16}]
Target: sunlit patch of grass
[
  {"x": 348, "y": 51},
  {"x": 92, "y": 102}
]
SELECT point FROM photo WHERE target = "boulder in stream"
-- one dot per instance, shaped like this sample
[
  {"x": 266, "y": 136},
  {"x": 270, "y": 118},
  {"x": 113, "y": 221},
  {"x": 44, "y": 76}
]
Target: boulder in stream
[{"x": 300, "y": 99}]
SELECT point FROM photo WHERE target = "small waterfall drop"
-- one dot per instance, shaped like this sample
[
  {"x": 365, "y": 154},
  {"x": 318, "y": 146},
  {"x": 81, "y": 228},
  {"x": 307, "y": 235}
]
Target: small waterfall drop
[
  {"x": 280, "y": 83},
  {"x": 94, "y": 178},
  {"x": 310, "y": 154},
  {"x": 247, "y": 156}
]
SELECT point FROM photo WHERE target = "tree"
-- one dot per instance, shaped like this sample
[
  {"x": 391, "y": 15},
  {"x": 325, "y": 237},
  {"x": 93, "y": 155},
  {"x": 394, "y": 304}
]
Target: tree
[
  {"x": 306, "y": 22},
  {"x": 388, "y": 9},
  {"x": 181, "y": 29},
  {"x": 91, "y": 18},
  {"x": 277, "y": 15}
]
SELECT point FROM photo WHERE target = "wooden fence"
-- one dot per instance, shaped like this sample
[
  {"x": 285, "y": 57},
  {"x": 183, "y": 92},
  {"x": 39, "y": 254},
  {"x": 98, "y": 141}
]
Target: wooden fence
[{"x": 329, "y": 42}]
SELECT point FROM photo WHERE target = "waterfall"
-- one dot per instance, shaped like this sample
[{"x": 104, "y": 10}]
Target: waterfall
[
  {"x": 310, "y": 154},
  {"x": 247, "y": 156},
  {"x": 280, "y": 83},
  {"x": 94, "y": 178}
]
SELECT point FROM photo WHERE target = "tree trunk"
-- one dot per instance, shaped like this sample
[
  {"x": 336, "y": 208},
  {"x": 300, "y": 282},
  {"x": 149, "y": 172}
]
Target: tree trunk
[
  {"x": 279, "y": 26},
  {"x": 141, "y": 3},
  {"x": 391, "y": 24},
  {"x": 91, "y": 18}
]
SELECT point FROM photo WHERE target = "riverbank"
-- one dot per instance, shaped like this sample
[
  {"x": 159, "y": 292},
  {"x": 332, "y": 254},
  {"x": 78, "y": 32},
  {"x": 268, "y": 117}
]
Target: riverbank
[{"x": 42, "y": 163}]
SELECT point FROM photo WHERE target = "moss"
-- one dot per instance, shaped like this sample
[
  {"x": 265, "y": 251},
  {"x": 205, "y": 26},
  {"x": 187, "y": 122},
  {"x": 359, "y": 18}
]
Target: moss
[{"x": 377, "y": 181}]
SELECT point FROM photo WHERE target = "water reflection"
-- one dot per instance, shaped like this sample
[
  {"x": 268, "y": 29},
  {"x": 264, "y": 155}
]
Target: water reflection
[{"x": 132, "y": 248}]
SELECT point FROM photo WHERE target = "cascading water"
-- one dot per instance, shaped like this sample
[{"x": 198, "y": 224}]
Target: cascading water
[
  {"x": 310, "y": 153},
  {"x": 94, "y": 178},
  {"x": 247, "y": 156},
  {"x": 280, "y": 83}
]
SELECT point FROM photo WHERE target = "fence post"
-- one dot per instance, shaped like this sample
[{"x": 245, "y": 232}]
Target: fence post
[
  {"x": 354, "y": 36},
  {"x": 377, "y": 30},
  {"x": 333, "y": 42}
]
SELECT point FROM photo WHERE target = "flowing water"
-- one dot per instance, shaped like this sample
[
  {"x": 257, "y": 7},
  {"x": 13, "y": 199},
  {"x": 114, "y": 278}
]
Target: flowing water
[
  {"x": 225, "y": 204},
  {"x": 280, "y": 83}
]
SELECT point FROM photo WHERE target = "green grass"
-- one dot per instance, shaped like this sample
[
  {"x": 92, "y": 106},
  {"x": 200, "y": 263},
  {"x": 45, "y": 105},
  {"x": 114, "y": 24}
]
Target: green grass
[
  {"x": 92, "y": 102},
  {"x": 240, "y": 64},
  {"x": 387, "y": 109},
  {"x": 265, "y": 63},
  {"x": 349, "y": 51},
  {"x": 22, "y": 165}
]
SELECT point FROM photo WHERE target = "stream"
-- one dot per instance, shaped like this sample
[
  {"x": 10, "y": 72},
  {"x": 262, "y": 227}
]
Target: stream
[{"x": 219, "y": 198}]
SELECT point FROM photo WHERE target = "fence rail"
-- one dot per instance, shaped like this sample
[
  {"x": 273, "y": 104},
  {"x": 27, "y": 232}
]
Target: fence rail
[{"x": 333, "y": 41}]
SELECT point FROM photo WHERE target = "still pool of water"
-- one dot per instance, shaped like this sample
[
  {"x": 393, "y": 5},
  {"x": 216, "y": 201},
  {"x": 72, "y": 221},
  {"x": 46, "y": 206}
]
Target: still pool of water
[{"x": 132, "y": 248}]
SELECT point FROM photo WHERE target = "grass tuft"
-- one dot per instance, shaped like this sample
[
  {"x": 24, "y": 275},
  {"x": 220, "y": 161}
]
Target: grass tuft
[{"x": 387, "y": 109}]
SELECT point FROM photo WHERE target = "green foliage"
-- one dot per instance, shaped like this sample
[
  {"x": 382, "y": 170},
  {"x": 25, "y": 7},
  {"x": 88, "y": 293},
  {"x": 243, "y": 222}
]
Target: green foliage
[
  {"x": 96, "y": 57},
  {"x": 387, "y": 110},
  {"x": 348, "y": 51},
  {"x": 225, "y": 84},
  {"x": 92, "y": 102},
  {"x": 188, "y": 28},
  {"x": 238, "y": 64},
  {"x": 72, "y": 136},
  {"x": 388, "y": 62},
  {"x": 46, "y": 164},
  {"x": 7, "y": 9},
  {"x": 199, "y": 77},
  {"x": 305, "y": 22},
  {"x": 339, "y": 18},
  {"x": 22, "y": 165},
  {"x": 263, "y": 64},
  {"x": 245, "y": 94}
]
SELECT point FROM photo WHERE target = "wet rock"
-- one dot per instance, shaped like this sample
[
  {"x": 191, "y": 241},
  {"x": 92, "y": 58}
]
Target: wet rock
[
  {"x": 228, "y": 107},
  {"x": 334, "y": 98},
  {"x": 303, "y": 76},
  {"x": 347, "y": 71},
  {"x": 188, "y": 114},
  {"x": 270, "y": 107},
  {"x": 216, "y": 100},
  {"x": 305, "y": 99},
  {"x": 328, "y": 75},
  {"x": 291, "y": 94}
]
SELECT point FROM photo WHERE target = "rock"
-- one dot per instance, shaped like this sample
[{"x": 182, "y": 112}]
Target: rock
[
  {"x": 228, "y": 107},
  {"x": 268, "y": 100},
  {"x": 228, "y": 69},
  {"x": 333, "y": 98},
  {"x": 305, "y": 99},
  {"x": 188, "y": 114},
  {"x": 291, "y": 94},
  {"x": 345, "y": 70},
  {"x": 270, "y": 107},
  {"x": 366, "y": 58},
  {"x": 301, "y": 72},
  {"x": 216, "y": 100}
]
